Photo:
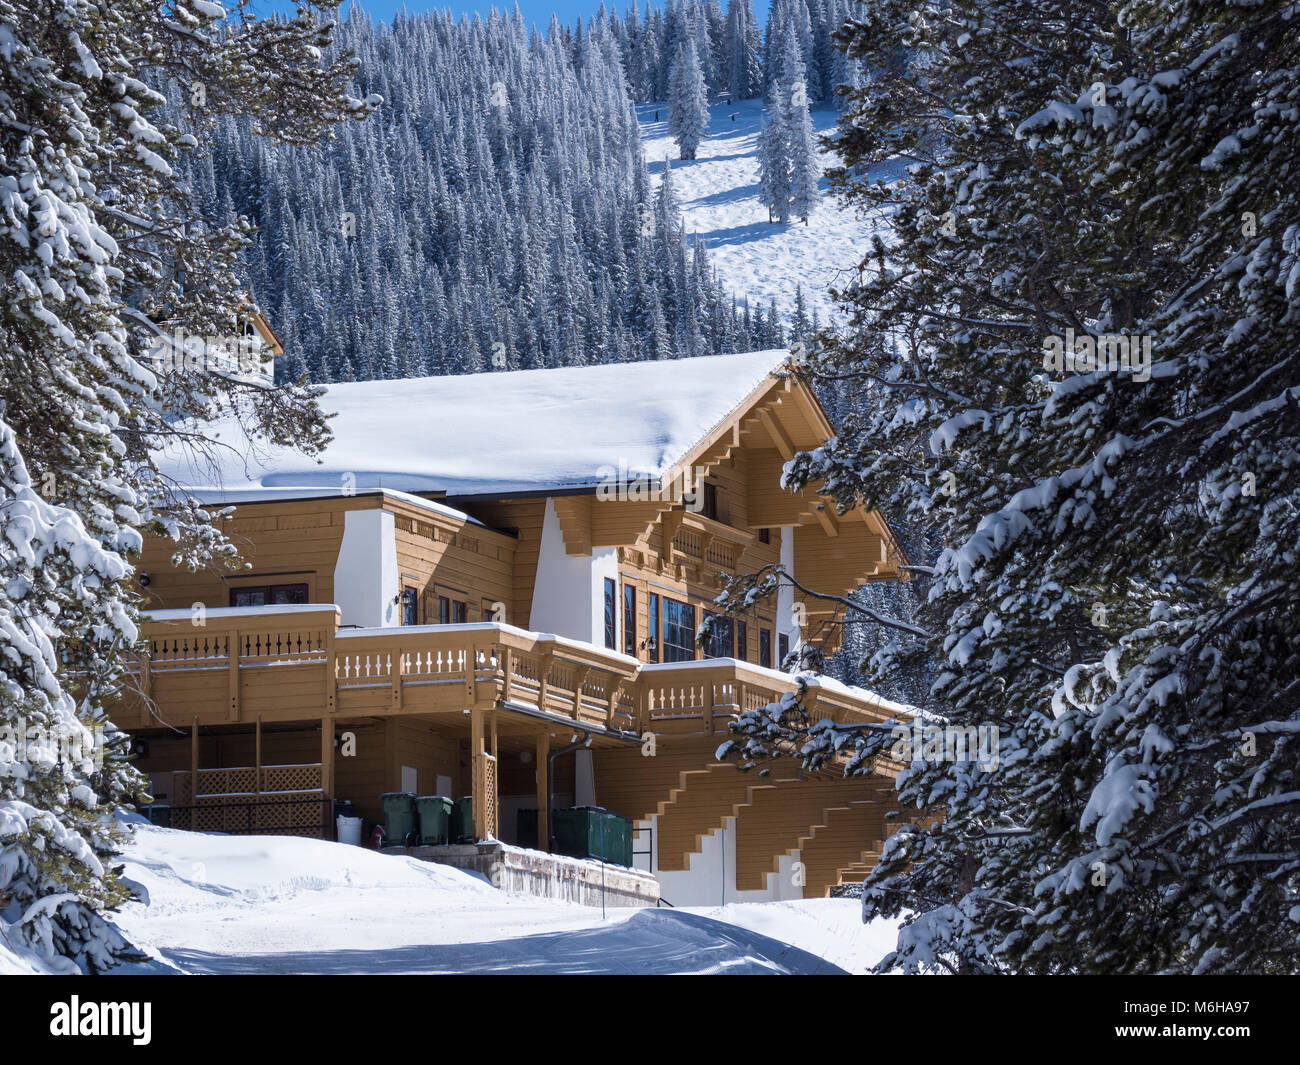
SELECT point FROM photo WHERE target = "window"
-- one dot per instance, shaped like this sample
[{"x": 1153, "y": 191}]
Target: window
[
  {"x": 718, "y": 645},
  {"x": 652, "y": 641},
  {"x": 269, "y": 595},
  {"x": 444, "y": 610},
  {"x": 679, "y": 631},
  {"x": 611, "y": 619},
  {"x": 765, "y": 648},
  {"x": 710, "y": 500},
  {"x": 410, "y": 607},
  {"x": 742, "y": 641},
  {"x": 458, "y": 612},
  {"x": 764, "y": 536},
  {"x": 629, "y": 620},
  {"x": 783, "y": 645}
]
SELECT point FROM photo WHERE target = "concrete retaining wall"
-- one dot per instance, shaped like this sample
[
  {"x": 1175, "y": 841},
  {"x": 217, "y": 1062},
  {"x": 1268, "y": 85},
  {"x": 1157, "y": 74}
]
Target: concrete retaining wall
[{"x": 552, "y": 876}]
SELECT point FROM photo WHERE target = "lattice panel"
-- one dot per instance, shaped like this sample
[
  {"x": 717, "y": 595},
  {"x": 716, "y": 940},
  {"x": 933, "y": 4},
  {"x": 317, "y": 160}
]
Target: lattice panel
[
  {"x": 485, "y": 794},
  {"x": 290, "y": 777}
]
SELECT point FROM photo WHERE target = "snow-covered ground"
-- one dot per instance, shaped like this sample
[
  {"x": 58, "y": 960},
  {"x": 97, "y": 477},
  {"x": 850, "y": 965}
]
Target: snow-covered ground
[
  {"x": 718, "y": 194},
  {"x": 264, "y": 904}
]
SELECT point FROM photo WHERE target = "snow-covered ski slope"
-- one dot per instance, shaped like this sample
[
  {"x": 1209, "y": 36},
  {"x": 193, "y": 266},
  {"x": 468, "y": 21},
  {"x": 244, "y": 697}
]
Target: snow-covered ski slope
[
  {"x": 718, "y": 195},
  {"x": 214, "y": 904}
]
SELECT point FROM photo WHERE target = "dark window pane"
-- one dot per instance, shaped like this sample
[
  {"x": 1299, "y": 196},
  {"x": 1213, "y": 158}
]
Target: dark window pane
[
  {"x": 458, "y": 613},
  {"x": 653, "y": 646},
  {"x": 783, "y": 646},
  {"x": 444, "y": 610},
  {"x": 765, "y": 648},
  {"x": 629, "y": 620},
  {"x": 718, "y": 645},
  {"x": 410, "y": 607},
  {"x": 679, "y": 631},
  {"x": 611, "y": 619},
  {"x": 742, "y": 641}
]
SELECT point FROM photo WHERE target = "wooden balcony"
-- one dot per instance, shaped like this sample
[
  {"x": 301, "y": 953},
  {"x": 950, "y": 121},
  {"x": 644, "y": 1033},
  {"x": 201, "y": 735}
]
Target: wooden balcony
[{"x": 296, "y": 663}]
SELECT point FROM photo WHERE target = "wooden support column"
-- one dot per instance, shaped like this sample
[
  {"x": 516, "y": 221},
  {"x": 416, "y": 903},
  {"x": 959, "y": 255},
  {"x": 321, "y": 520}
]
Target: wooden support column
[
  {"x": 194, "y": 765},
  {"x": 257, "y": 757},
  {"x": 543, "y": 791},
  {"x": 232, "y": 658},
  {"x": 477, "y": 776},
  {"x": 327, "y": 757}
]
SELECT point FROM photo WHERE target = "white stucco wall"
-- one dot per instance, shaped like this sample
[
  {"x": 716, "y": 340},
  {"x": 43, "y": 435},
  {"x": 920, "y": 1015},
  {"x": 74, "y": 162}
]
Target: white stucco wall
[
  {"x": 569, "y": 593},
  {"x": 710, "y": 879},
  {"x": 785, "y": 597},
  {"x": 366, "y": 580}
]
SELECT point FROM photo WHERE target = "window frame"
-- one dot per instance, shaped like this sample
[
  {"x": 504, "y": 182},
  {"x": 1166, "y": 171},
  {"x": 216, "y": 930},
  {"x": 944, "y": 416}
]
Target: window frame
[
  {"x": 684, "y": 651},
  {"x": 629, "y": 619},
  {"x": 652, "y": 641},
  {"x": 611, "y": 614},
  {"x": 268, "y": 591}
]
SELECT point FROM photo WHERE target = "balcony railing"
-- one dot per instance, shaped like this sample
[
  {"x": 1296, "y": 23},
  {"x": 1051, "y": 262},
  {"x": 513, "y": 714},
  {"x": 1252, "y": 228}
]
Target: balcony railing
[{"x": 296, "y": 662}]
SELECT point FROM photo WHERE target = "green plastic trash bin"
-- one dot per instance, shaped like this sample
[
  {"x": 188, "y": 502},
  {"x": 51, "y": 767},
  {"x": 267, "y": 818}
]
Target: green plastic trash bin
[
  {"x": 399, "y": 817},
  {"x": 462, "y": 820},
  {"x": 577, "y": 832},
  {"x": 618, "y": 840},
  {"x": 435, "y": 818},
  {"x": 592, "y": 832}
]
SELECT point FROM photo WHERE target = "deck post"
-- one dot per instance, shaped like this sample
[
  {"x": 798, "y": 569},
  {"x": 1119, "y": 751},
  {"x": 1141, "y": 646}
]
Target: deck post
[
  {"x": 477, "y": 776},
  {"x": 327, "y": 757},
  {"x": 194, "y": 766},
  {"x": 257, "y": 757},
  {"x": 543, "y": 755}
]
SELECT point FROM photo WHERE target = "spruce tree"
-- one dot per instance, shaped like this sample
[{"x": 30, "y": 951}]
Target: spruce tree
[
  {"x": 688, "y": 108},
  {"x": 105, "y": 250},
  {"x": 1112, "y": 585}
]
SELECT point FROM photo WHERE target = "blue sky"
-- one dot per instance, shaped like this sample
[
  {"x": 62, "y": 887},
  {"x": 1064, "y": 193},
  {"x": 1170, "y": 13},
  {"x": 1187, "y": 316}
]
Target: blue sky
[{"x": 535, "y": 11}]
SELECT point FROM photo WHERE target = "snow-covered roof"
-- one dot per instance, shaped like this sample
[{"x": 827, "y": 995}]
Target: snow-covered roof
[{"x": 490, "y": 433}]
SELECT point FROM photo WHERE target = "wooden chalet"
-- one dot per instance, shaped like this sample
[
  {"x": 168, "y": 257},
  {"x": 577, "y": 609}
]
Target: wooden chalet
[{"x": 490, "y": 586}]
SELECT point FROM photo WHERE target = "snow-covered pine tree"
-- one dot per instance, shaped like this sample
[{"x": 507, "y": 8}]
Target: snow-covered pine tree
[
  {"x": 789, "y": 167},
  {"x": 103, "y": 248},
  {"x": 743, "y": 44},
  {"x": 803, "y": 159},
  {"x": 773, "y": 165},
  {"x": 1116, "y": 590},
  {"x": 688, "y": 104}
]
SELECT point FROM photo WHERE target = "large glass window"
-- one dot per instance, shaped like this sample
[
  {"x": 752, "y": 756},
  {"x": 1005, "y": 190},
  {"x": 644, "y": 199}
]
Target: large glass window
[
  {"x": 269, "y": 595},
  {"x": 719, "y": 643},
  {"x": 742, "y": 640},
  {"x": 459, "y": 614},
  {"x": 652, "y": 644},
  {"x": 611, "y": 619},
  {"x": 783, "y": 645},
  {"x": 629, "y": 620},
  {"x": 765, "y": 648},
  {"x": 679, "y": 631}
]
